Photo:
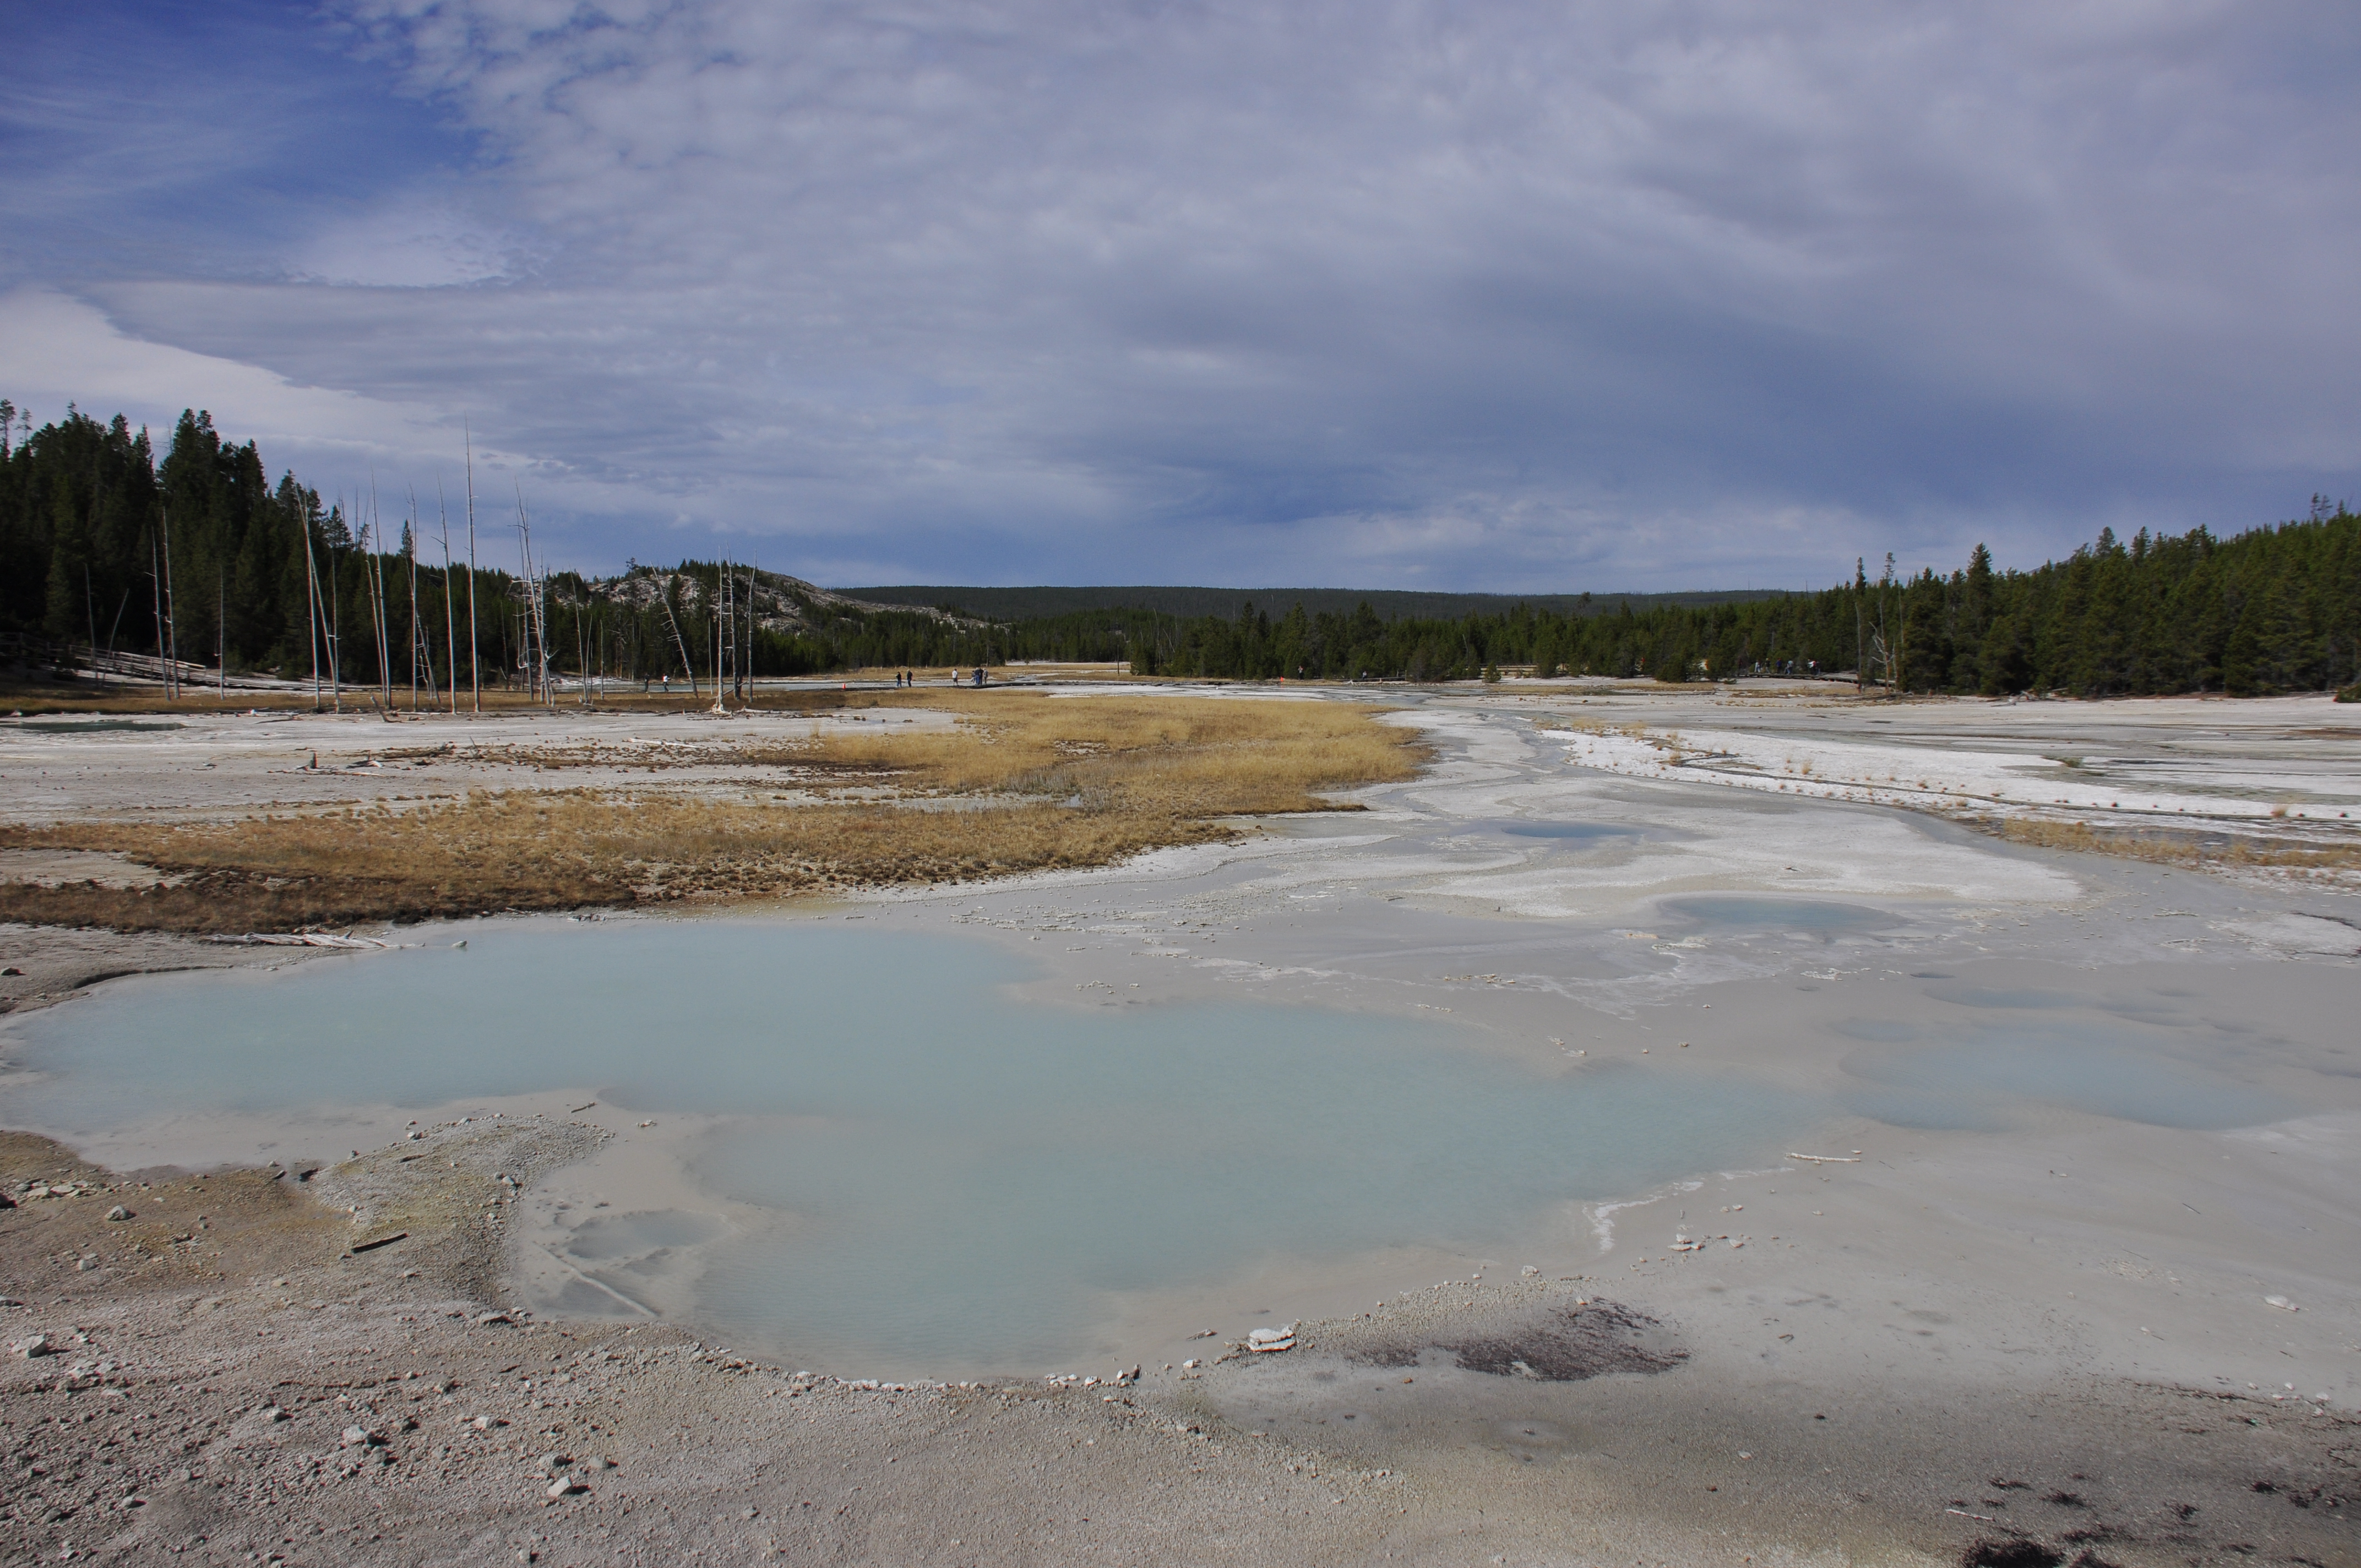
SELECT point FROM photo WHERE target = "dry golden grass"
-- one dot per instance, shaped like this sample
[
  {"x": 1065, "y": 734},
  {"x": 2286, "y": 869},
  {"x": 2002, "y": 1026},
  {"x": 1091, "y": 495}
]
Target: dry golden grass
[
  {"x": 1191, "y": 756},
  {"x": 2227, "y": 852},
  {"x": 1029, "y": 783}
]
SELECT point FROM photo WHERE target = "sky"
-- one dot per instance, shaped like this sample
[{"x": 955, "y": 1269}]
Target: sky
[{"x": 1518, "y": 297}]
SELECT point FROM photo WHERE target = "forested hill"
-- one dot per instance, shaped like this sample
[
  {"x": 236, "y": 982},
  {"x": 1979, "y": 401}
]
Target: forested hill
[
  {"x": 1187, "y": 603},
  {"x": 106, "y": 547}
]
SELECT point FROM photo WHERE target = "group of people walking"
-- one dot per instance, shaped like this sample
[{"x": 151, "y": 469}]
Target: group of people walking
[{"x": 910, "y": 678}]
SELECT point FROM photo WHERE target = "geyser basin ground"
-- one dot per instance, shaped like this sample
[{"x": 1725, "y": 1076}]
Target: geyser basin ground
[
  {"x": 911, "y": 1171},
  {"x": 2099, "y": 1238}
]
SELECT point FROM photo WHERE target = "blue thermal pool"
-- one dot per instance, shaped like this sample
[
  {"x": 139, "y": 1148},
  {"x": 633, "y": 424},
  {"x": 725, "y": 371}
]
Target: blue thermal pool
[{"x": 960, "y": 1177}]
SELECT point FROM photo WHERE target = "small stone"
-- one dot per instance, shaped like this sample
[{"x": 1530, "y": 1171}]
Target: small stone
[
  {"x": 565, "y": 1485},
  {"x": 356, "y": 1437},
  {"x": 118, "y": 1213},
  {"x": 481, "y": 1424},
  {"x": 273, "y": 1413}
]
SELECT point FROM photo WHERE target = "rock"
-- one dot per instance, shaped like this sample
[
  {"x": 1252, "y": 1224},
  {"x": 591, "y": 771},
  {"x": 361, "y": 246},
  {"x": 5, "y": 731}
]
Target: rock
[
  {"x": 1528, "y": 1271},
  {"x": 565, "y": 1485},
  {"x": 481, "y": 1424},
  {"x": 12, "y": 970},
  {"x": 273, "y": 1413},
  {"x": 483, "y": 1319},
  {"x": 1266, "y": 1340},
  {"x": 360, "y": 1437},
  {"x": 118, "y": 1213},
  {"x": 2282, "y": 1303},
  {"x": 37, "y": 1345}
]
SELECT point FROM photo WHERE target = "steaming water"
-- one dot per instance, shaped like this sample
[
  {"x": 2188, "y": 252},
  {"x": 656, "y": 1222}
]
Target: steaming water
[{"x": 959, "y": 1179}]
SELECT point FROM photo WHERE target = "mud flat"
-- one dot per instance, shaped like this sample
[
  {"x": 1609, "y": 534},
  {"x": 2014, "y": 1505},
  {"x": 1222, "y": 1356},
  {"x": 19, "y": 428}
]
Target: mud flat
[{"x": 2071, "y": 1274}]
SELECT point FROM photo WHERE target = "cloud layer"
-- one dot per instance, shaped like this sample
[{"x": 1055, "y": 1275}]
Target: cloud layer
[{"x": 1504, "y": 296}]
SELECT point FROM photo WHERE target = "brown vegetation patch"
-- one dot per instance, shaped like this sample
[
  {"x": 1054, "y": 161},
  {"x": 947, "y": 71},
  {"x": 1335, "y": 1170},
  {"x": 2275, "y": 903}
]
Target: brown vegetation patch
[
  {"x": 2207, "y": 850},
  {"x": 1189, "y": 756},
  {"x": 1033, "y": 783},
  {"x": 798, "y": 756}
]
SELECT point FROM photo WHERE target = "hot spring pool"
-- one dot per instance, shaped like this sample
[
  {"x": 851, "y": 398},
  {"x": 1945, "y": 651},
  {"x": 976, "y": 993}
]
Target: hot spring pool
[{"x": 963, "y": 1178}]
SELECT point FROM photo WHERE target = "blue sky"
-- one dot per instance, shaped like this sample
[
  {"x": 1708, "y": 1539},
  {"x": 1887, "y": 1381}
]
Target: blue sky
[{"x": 1531, "y": 296}]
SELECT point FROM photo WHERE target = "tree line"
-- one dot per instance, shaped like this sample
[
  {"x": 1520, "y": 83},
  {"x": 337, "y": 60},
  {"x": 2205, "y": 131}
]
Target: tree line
[
  {"x": 2272, "y": 609},
  {"x": 197, "y": 559},
  {"x": 200, "y": 558}
]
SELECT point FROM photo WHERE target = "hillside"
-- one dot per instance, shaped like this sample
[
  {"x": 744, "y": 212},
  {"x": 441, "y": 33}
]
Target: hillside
[{"x": 1188, "y": 603}]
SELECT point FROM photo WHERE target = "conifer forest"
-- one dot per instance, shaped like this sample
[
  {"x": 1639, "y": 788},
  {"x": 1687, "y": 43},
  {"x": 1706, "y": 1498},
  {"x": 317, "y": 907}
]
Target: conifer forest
[{"x": 196, "y": 556}]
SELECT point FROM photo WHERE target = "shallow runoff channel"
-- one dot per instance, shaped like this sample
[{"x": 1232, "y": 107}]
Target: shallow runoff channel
[{"x": 1067, "y": 1123}]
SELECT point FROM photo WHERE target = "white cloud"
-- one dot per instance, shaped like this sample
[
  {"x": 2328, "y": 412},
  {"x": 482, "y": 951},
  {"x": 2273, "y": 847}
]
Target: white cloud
[
  {"x": 55, "y": 349},
  {"x": 1519, "y": 294},
  {"x": 408, "y": 243}
]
